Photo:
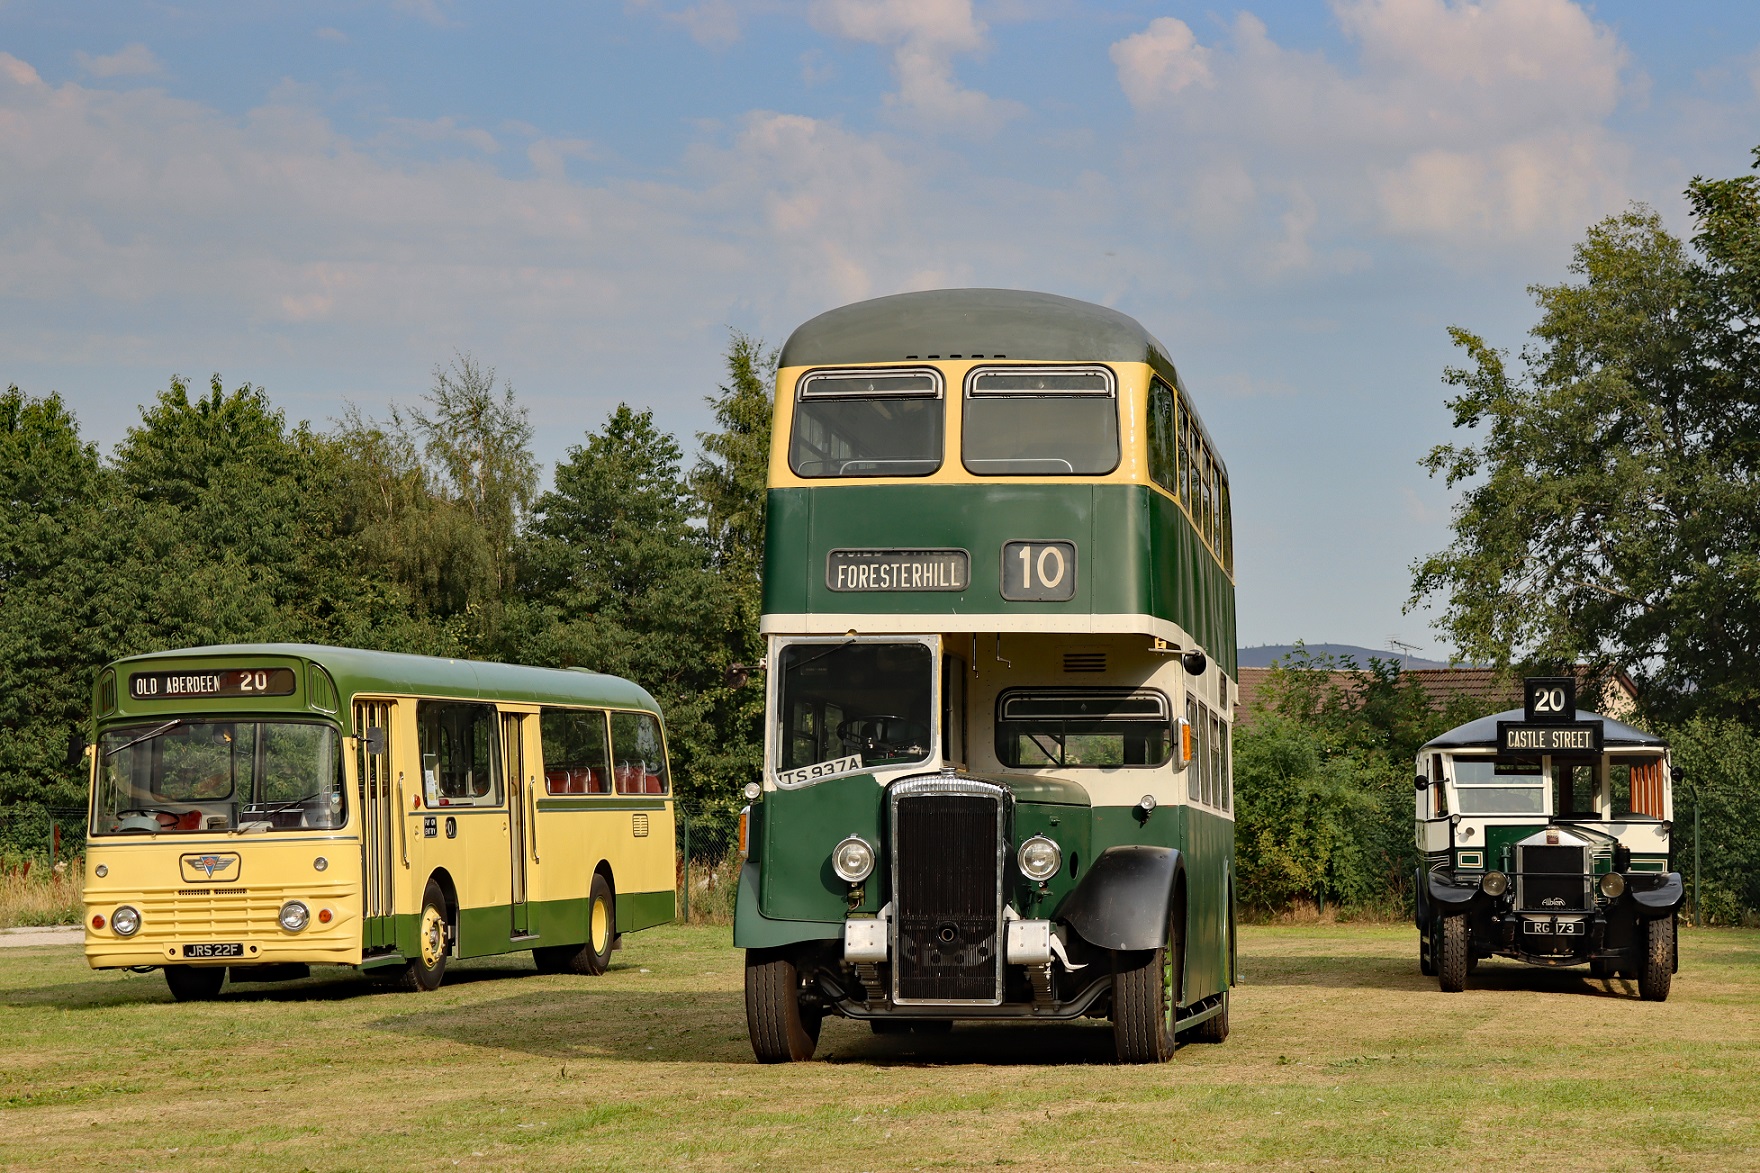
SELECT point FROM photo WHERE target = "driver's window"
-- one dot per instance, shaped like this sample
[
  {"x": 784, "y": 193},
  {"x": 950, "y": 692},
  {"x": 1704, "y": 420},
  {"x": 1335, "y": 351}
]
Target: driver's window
[
  {"x": 1438, "y": 788},
  {"x": 1574, "y": 791}
]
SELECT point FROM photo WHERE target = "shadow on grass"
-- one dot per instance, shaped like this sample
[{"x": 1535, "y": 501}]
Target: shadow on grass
[{"x": 1354, "y": 971}]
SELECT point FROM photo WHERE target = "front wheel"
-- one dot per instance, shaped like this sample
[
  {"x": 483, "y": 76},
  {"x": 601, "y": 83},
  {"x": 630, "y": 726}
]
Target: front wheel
[
  {"x": 594, "y": 956},
  {"x": 1656, "y": 967},
  {"x": 1146, "y": 990},
  {"x": 195, "y": 983},
  {"x": 783, "y": 1028},
  {"x": 1453, "y": 948},
  {"x": 427, "y": 969}
]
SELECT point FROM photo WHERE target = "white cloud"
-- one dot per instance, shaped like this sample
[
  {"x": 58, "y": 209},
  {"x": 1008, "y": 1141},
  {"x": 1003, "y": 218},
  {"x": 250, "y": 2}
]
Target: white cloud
[
  {"x": 924, "y": 36},
  {"x": 1463, "y": 125},
  {"x": 134, "y": 60}
]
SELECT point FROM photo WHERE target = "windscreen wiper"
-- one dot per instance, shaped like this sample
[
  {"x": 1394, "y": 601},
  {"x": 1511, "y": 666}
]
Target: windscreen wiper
[{"x": 149, "y": 735}]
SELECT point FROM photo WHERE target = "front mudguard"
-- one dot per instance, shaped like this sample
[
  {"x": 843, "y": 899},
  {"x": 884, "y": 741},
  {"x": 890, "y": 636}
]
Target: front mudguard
[
  {"x": 1662, "y": 900},
  {"x": 1446, "y": 896},
  {"x": 753, "y": 930},
  {"x": 1124, "y": 901}
]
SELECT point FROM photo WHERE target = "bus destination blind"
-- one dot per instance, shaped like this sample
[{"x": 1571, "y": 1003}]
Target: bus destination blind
[
  {"x": 162, "y": 686},
  {"x": 1558, "y": 738},
  {"x": 879, "y": 571}
]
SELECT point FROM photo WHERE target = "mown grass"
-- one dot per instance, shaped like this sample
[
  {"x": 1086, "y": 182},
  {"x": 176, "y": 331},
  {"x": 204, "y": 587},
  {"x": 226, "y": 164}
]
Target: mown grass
[
  {"x": 1342, "y": 1058},
  {"x": 37, "y": 894}
]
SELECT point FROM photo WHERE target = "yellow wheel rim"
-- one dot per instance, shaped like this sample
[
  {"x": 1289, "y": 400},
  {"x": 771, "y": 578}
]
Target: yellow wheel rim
[
  {"x": 433, "y": 936},
  {"x": 601, "y": 926}
]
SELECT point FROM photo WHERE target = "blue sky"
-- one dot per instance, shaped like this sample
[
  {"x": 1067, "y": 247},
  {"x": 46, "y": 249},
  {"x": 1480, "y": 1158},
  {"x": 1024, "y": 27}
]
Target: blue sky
[{"x": 327, "y": 199}]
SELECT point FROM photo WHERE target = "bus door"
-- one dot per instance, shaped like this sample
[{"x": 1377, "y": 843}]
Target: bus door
[
  {"x": 379, "y": 812},
  {"x": 519, "y": 811}
]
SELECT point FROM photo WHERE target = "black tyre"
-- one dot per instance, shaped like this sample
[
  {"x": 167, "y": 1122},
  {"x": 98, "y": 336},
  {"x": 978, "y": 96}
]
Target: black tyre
[
  {"x": 1426, "y": 953},
  {"x": 1452, "y": 952},
  {"x": 1146, "y": 991},
  {"x": 592, "y": 957},
  {"x": 195, "y": 983},
  {"x": 783, "y": 1028},
  {"x": 1656, "y": 967},
  {"x": 427, "y": 969},
  {"x": 1213, "y": 1029}
]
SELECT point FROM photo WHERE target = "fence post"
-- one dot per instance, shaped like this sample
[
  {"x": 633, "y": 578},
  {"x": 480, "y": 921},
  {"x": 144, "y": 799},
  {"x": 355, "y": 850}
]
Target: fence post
[
  {"x": 684, "y": 822},
  {"x": 1698, "y": 913}
]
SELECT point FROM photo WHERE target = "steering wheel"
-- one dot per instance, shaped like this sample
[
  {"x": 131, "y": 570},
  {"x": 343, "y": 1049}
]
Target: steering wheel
[{"x": 875, "y": 734}]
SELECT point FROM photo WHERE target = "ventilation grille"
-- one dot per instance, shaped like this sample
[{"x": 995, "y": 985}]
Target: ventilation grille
[{"x": 1084, "y": 661}]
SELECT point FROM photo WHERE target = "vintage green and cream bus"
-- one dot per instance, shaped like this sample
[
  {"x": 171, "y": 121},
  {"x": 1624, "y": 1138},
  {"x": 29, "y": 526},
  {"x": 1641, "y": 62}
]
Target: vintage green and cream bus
[
  {"x": 999, "y": 607},
  {"x": 1545, "y": 834},
  {"x": 262, "y": 808}
]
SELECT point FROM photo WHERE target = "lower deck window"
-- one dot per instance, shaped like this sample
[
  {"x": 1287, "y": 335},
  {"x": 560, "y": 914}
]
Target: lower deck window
[
  {"x": 1090, "y": 728},
  {"x": 1481, "y": 790}
]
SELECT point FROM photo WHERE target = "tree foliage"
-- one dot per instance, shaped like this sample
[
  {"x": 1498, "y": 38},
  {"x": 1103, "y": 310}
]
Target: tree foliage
[{"x": 1608, "y": 512}]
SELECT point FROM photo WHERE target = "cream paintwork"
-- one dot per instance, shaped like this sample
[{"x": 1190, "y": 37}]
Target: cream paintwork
[{"x": 1643, "y": 837}]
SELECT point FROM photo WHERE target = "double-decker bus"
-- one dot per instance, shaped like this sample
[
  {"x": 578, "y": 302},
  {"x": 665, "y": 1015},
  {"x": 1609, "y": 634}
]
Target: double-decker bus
[
  {"x": 999, "y": 607},
  {"x": 262, "y": 808}
]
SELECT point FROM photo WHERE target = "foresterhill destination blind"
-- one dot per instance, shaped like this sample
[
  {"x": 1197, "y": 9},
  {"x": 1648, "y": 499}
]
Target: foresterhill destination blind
[
  {"x": 1564, "y": 737},
  {"x": 898, "y": 570}
]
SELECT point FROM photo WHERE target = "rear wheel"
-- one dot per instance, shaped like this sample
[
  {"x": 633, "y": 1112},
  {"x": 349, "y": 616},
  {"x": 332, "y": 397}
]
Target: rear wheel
[
  {"x": 1656, "y": 969},
  {"x": 1146, "y": 988},
  {"x": 427, "y": 969},
  {"x": 593, "y": 957},
  {"x": 1453, "y": 948},
  {"x": 195, "y": 983},
  {"x": 1213, "y": 1029},
  {"x": 783, "y": 1028}
]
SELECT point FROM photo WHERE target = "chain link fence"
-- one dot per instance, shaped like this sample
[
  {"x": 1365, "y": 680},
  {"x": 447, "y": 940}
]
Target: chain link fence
[{"x": 708, "y": 864}]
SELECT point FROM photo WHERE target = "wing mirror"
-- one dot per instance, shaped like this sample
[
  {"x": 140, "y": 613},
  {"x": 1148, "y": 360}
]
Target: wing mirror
[
  {"x": 1677, "y": 774},
  {"x": 1422, "y": 783}
]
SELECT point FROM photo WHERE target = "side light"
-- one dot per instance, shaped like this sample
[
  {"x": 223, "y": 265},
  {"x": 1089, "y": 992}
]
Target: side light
[
  {"x": 294, "y": 916},
  {"x": 745, "y": 831},
  {"x": 101, "y": 871},
  {"x": 125, "y": 921},
  {"x": 1494, "y": 884},
  {"x": 752, "y": 791},
  {"x": 1039, "y": 858},
  {"x": 98, "y": 921},
  {"x": 1613, "y": 885},
  {"x": 853, "y": 860},
  {"x": 320, "y": 864},
  {"x": 325, "y": 916}
]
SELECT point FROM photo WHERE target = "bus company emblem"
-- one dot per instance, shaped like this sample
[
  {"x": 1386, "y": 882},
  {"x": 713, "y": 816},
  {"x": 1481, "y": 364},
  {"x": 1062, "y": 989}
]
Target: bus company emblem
[{"x": 211, "y": 866}]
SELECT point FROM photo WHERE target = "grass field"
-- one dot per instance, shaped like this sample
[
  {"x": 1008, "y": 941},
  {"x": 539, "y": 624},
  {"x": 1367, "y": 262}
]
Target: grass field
[{"x": 1342, "y": 1058}]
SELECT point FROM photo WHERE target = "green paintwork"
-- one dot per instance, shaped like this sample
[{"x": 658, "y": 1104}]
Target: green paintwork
[
  {"x": 604, "y": 802},
  {"x": 795, "y": 834},
  {"x": 641, "y": 910},
  {"x": 487, "y": 931},
  {"x": 1137, "y": 554},
  {"x": 1010, "y": 324},
  {"x": 1500, "y": 840},
  {"x": 372, "y": 673},
  {"x": 753, "y": 930}
]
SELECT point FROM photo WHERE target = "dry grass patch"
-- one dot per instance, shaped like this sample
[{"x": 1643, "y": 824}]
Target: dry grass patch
[
  {"x": 35, "y": 894},
  {"x": 1342, "y": 1058}
]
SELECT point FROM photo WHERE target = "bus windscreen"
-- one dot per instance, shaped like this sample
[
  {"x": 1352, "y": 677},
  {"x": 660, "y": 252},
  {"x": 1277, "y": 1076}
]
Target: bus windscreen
[{"x": 207, "y": 776}]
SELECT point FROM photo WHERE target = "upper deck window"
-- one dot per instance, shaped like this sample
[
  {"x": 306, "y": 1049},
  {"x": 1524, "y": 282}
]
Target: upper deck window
[
  {"x": 1041, "y": 421},
  {"x": 881, "y": 423}
]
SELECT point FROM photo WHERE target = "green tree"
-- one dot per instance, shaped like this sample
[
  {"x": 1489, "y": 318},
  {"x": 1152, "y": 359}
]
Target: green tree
[
  {"x": 615, "y": 577},
  {"x": 1608, "y": 512}
]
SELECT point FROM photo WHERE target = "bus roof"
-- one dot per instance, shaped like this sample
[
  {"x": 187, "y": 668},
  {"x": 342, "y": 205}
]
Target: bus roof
[
  {"x": 356, "y": 670},
  {"x": 977, "y": 323},
  {"x": 1482, "y": 734}
]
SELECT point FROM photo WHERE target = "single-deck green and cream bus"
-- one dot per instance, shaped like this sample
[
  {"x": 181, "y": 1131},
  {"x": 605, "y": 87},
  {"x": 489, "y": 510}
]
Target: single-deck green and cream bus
[
  {"x": 262, "y": 808},
  {"x": 999, "y": 607},
  {"x": 1545, "y": 836}
]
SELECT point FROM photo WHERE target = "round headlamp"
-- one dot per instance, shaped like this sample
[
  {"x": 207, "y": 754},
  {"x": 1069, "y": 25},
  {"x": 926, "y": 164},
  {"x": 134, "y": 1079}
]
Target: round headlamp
[
  {"x": 853, "y": 860},
  {"x": 125, "y": 921},
  {"x": 1494, "y": 884},
  {"x": 1039, "y": 858},
  {"x": 294, "y": 916},
  {"x": 1613, "y": 885}
]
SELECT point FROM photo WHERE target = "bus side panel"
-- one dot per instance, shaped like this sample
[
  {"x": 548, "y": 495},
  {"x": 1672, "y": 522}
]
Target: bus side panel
[
  {"x": 645, "y": 863},
  {"x": 787, "y": 549},
  {"x": 562, "y": 874}
]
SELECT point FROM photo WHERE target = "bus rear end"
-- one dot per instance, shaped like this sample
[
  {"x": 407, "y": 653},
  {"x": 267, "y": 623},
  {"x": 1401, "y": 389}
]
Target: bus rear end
[{"x": 220, "y": 830}]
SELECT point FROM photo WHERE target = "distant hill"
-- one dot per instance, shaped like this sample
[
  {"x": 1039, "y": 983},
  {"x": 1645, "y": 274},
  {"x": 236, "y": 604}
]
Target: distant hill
[{"x": 1264, "y": 655}]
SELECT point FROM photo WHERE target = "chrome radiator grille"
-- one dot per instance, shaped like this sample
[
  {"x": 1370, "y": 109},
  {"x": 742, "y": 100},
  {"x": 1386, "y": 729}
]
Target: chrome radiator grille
[
  {"x": 947, "y": 855},
  {"x": 1552, "y": 878}
]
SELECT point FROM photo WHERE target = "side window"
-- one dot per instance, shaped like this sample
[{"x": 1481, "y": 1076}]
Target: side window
[
  {"x": 458, "y": 754},
  {"x": 1216, "y": 757},
  {"x": 1227, "y": 530},
  {"x": 638, "y": 754},
  {"x": 1227, "y": 767},
  {"x": 1438, "y": 788},
  {"x": 576, "y": 759},
  {"x": 1194, "y": 768},
  {"x": 1163, "y": 462}
]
